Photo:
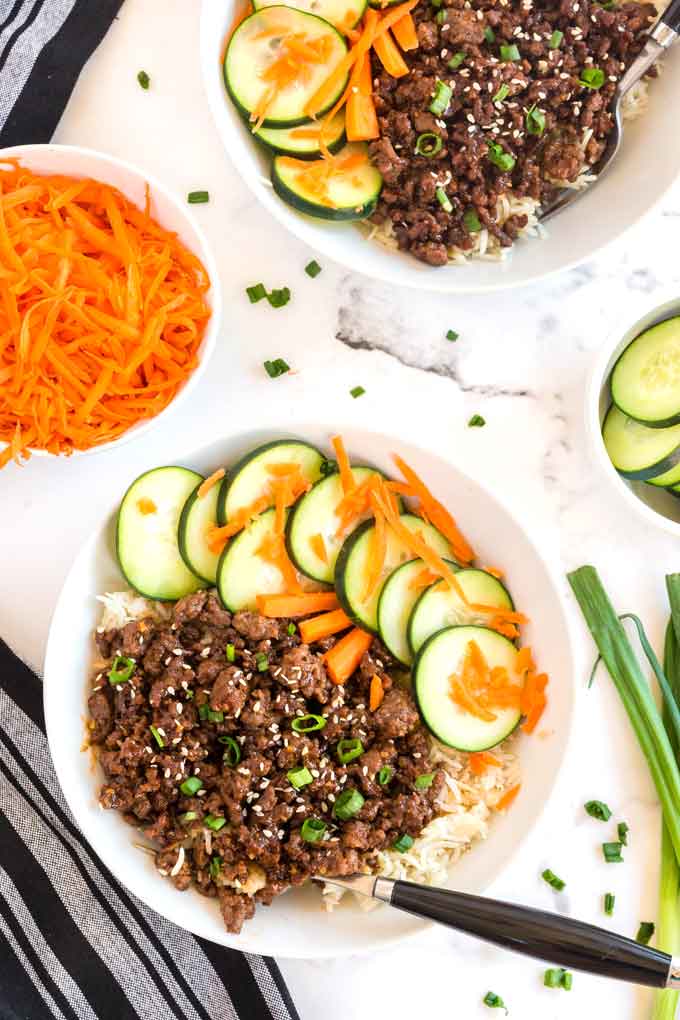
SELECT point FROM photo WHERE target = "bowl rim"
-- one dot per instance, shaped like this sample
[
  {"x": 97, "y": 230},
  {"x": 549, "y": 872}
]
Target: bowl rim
[
  {"x": 244, "y": 941},
  {"x": 642, "y": 316},
  {"x": 214, "y": 293}
]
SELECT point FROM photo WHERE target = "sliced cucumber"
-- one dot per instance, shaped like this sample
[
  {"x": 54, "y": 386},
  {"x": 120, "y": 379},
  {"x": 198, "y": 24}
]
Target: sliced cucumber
[
  {"x": 636, "y": 451},
  {"x": 439, "y": 606},
  {"x": 242, "y": 575},
  {"x": 350, "y": 568},
  {"x": 397, "y": 599},
  {"x": 341, "y": 13},
  {"x": 146, "y": 534},
  {"x": 646, "y": 378},
  {"x": 249, "y": 478},
  {"x": 440, "y": 657},
  {"x": 314, "y": 514},
  {"x": 198, "y": 515},
  {"x": 668, "y": 479},
  {"x": 303, "y": 141},
  {"x": 350, "y": 192},
  {"x": 258, "y": 43}
]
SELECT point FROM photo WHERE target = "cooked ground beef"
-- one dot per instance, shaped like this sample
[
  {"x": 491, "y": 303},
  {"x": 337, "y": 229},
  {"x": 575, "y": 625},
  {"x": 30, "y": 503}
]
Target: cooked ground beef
[
  {"x": 546, "y": 78},
  {"x": 197, "y": 695}
]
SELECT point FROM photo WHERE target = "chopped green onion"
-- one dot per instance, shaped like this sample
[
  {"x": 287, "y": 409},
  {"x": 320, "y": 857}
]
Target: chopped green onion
[
  {"x": 191, "y": 786},
  {"x": 256, "y": 293},
  {"x": 385, "y": 774},
  {"x": 622, "y": 830},
  {"x": 328, "y": 467},
  {"x": 300, "y": 777},
  {"x": 428, "y": 144},
  {"x": 232, "y": 753},
  {"x": 312, "y": 830},
  {"x": 198, "y": 197},
  {"x": 494, "y": 1001},
  {"x": 348, "y": 804},
  {"x": 500, "y": 158},
  {"x": 262, "y": 662},
  {"x": 476, "y": 422},
  {"x": 189, "y": 694},
  {"x": 121, "y": 670},
  {"x": 551, "y": 878},
  {"x": 592, "y": 78},
  {"x": 277, "y": 298},
  {"x": 403, "y": 843},
  {"x": 645, "y": 932},
  {"x": 535, "y": 121},
  {"x": 215, "y": 866},
  {"x": 291, "y": 629},
  {"x": 188, "y": 816},
  {"x": 489, "y": 34},
  {"x": 612, "y": 853},
  {"x": 598, "y": 809},
  {"x": 157, "y": 737},
  {"x": 215, "y": 822},
  {"x": 231, "y": 653},
  {"x": 436, "y": 3},
  {"x": 308, "y": 723},
  {"x": 471, "y": 221},
  {"x": 456, "y": 60},
  {"x": 443, "y": 200},
  {"x": 276, "y": 368},
  {"x": 441, "y": 17},
  {"x": 558, "y": 977},
  {"x": 203, "y": 711},
  {"x": 357, "y": 391},
  {"x": 214, "y": 716},
  {"x": 502, "y": 94},
  {"x": 349, "y": 749},
  {"x": 143, "y": 79},
  {"x": 555, "y": 40},
  {"x": 440, "y": 99},
  {"x": 313, "y": 268},
  {"x": 425, "y": 781},
  {"x": 567, "y": 980},
  {"x": 451, "y": 335},
  {"x": 609, "y": 900},
  {"x": 510, "y": 52}
]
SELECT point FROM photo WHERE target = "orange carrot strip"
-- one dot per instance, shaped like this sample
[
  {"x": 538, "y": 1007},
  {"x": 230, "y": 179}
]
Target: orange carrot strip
[
  {"x": 404, "y": 32},
  {"x": 330, "y": 86},
  {"x": 346, "y": 476},
  {"x": 494, "y": 571},
  {"x": 209, "y": 483},
  {"x": 344, "y": 657},
  {"x": 480, "y": 761},
  {"x": 423, "y": 579},
  {"x": 318, "y": 547},
  {"x": 278, "y": 606},
  {"x": 507, "y": 799},
  {"x": 438, "y": 515},
  {"x": 318, "y": 627},
  {"x": 146, "y": 506},
  {"x": 376, "y": 555},
  {"x": 361, "y": 120},
  {"x": 389, "y": 55},
  {"x": 376, "y": 693}
]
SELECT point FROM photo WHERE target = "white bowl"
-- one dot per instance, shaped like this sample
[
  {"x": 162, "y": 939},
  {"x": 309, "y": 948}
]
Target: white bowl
[
  {"x": 171, "y": 212},
  {"x": 645, "y": 169},
  {"x": 296, "y": 924},
  {"x": 653, "y": 504}
]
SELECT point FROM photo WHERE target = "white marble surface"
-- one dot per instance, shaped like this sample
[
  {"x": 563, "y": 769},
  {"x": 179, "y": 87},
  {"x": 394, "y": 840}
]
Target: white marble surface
[{"x": 520, "y": 361}]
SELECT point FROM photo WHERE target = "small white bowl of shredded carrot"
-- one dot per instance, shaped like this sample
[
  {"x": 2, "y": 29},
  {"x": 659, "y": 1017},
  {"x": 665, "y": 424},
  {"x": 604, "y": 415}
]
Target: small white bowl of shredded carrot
[{"x": 109, "y": 302}]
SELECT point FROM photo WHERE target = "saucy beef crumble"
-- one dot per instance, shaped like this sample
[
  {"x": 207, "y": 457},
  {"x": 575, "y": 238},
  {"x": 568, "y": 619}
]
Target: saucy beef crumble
[
  {"x": 199, "y": 751},
  {"x": 527, "y": 80}
]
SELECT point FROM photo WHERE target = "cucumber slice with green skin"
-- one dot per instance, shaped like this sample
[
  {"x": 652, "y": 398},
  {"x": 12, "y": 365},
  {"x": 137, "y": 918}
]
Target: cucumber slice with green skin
[
  {"x": 440, "y": 657},
  {"x": 249, "y": 478},
  {"x": 439, "y": 606},
  {"x": 302, "y": 141},
  {"x": 146, "y": 542},
  {"x": 646, "y": 379},
  {"x": 314, "y": 514},
  {"x": 258, "y": 42},
  {"x": 636, "y": 451},
  {"x": 242, "y": 575},
  {"x": 667, "y": 480},
  {"x": 397, "y": 599},
  {"x": 199, "y": 513},
  {"x": 350, "y": 568},
  {"x": 341, "y": 13},
  {"x": 352, "y": 194}
]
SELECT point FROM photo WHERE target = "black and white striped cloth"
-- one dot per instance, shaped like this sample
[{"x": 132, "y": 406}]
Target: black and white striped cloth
[{"x": 74, "y": 944}]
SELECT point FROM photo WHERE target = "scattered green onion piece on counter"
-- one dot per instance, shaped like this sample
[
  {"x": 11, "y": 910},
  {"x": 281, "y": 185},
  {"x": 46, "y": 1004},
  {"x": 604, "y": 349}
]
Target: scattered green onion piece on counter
[
  {"x": 622, "y": 830},
  {"x": 215, "y": 865},
  {"x": 555, "y": 40},
  {"x": 357, "y": 391},
  {"x": 262, "y": 662},
  {"x": 444, "y": 200},
  {"x": 276, "y": 368},
  {"x": 612, "y": 853},
  {"x": 188, "y": 816},
  {"x": 215, "y": 822},
  {"x": 645, "y": 932},
  {"x": 428, "y": 144},
  {"x": 403, "y": 843},
  {"x": 598, "y": 809},
  {"x": 456, "y": 60},
  {"x": 503, "y": 93},
  {"x": 535, "y": 121},
  {"x": 312, "y": 830},
  {"x": 500, "y": 158},
  {"x": 476, "y": 422},
  {"x": 567, "y": 980},
  {"x": 313, "y": 268},
  {"x": 609, "y": 900},
  {"x": 592, "y": 78},
  {"x": 214, "y": 716},
  {"x": 440, "y": 99},
  {"x": 489, "y": 34},
  {"x": 308, "y": 723},
  {"x": 277, "y": 298},
  {"x": 144, "y": 80},
  {"x": 121, "y": 670},
  {"x": 452, "y": 335},
  {"x": 198, "y": 197},
  {"x": 349, "y": 749},
  {"x": 256, "y": 293},
  {"x": 494, "y": 1001},
  {"x": 157, "y": 737},
  {"x": 510, "y": 52},
  {"x": 348, "y": 804},
  {"x": 471, "y": 221},
  {"x": 191, "y": 786},
  {"x": 291, "y": 629},
  {"x": 558, "y": 977},
  {"x": 384, "y": 775},
  {"x": 231, "y": 653},
  {"x": 552, "y": 879},
  {"x": 232, "y": 753},
  {"x": 425, "y": 781},
  {"x": 299, "y": 777}
]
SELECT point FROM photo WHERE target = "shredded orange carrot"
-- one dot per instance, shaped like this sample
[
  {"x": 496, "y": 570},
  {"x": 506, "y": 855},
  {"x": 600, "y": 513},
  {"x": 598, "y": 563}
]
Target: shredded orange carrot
[
  {"x": 295, "y": 484},
  {"x": 318, "y": 627},
  {"x": 344, "y": 657},
  {"x": 480, "y": 761},
  {"x": 102, "y": 313},
  {"x": 318, "y": 547},
  {"x": 353, "y": 505},
  {"x": 210, "y": 482},
  {"x": 533, "y": 700},
  {"x": 346, "y": 476},
  {"x": 404, "y": 32},
  {"x": 423, "y": 579},
  {"x": 436, "y": 513},
  {"x": 494, "y": 571},
  {"x": 507, "y": 799},
  {"x": 297, "y": 604},
  {"x": 389, "y": 55},
  {"x": 146, "y": 506},
  {"x": 525, "y": 660},
  {"x": 219, "y": 536},
  {"x": 376, "y": 554},
  {"x": 361, "y": 120},
  {"x": 477, "y": 689},
  {"x": 376, "y": 693}
]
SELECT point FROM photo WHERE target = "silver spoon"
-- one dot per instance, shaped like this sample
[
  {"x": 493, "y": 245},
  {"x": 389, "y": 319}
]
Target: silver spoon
[
  {"x": 535, "y": 933},
  {"x": 661, "y": 37}
]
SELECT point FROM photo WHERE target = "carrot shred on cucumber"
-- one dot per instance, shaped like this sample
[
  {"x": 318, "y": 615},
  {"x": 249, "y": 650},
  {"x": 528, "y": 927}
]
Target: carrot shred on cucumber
[
  {"x": 404, "y": 32},
  {"x": 297, "y": 604},
  {"x": 344, "y": 657},
  {"x": 346, "y": 476},
  {"x": 210, "y": 482},
  {"x": 375, "y": 561},
  {"x": 436, "y": 513},
  {"x": 376, "y": 693},
  {"x": 318, "y": 547},
  {"x": 423, "y": 579},
  {"x": 318, "y": 627}
]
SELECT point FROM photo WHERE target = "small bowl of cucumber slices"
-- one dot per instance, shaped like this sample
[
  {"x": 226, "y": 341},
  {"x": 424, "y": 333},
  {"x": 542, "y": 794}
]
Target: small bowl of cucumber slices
[{"x": 633, "y": 412}]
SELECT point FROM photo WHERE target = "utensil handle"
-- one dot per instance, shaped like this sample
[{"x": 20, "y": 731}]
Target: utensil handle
[
  {"x": 536, "y": 933},
  {"x": 671, "y": 19},
  {"x": 662, "y": 35}
]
